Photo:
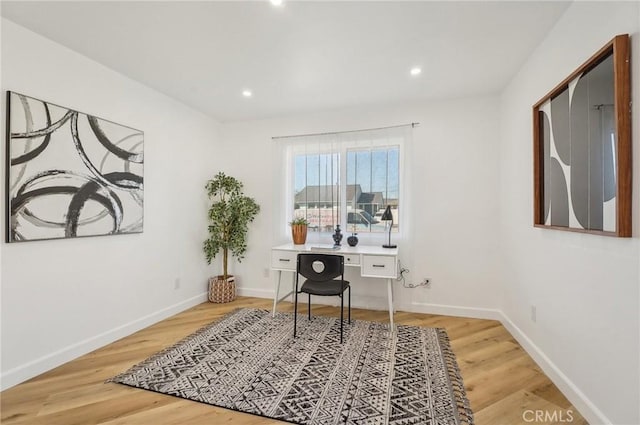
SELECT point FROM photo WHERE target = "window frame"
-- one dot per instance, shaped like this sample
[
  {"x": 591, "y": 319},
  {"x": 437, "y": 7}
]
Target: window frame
[{"x": 343, "y": 147}]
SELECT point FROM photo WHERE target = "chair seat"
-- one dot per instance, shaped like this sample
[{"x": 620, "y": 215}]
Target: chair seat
[{"x": 325, "y": 287}]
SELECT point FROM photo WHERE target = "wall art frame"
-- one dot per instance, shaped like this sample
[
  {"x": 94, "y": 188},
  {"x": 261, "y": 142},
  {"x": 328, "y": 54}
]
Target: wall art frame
[
  {"x": 582, "y": 147},
  {"x": 70, "y": 174}
]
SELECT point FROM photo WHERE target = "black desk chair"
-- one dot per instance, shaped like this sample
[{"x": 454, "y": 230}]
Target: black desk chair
[{"x": 322, "y": 282}]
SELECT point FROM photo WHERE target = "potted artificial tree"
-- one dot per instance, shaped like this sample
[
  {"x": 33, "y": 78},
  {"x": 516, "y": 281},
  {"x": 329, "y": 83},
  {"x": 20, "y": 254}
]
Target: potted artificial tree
[
  {"x": 299, "y": 230},
  {"x": 229, "y": 216}
]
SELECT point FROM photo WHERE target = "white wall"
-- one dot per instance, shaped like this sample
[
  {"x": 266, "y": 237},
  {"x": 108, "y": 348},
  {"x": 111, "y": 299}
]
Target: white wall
[
  {"x": 62, "y": 298},
  {"x": 585, "y": 287},
  {"x": 454, "y": 173}
]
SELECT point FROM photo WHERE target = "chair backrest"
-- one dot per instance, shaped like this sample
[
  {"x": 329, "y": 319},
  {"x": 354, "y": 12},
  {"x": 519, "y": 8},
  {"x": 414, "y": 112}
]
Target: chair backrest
[{"x": 332, "y": 266}]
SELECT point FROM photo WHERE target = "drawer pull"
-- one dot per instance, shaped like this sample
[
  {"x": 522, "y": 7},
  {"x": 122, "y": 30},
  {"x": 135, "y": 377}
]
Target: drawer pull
[
  {"x": 379, "y": 265},
  {"x": 286, "y": 260}
]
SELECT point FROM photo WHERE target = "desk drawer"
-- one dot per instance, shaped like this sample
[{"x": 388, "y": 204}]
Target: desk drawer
[
  {"x": 283, "y": 260},
  {"x": 351, "y": 259},
  {"x": 378, "y": 266}
]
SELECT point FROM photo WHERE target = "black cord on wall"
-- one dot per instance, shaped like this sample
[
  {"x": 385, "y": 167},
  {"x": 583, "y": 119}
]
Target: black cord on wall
[{"x": 401, "y": 278}]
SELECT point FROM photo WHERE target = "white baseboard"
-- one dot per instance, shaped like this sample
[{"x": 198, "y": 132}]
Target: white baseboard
[
  {"x": 35, "y": 367},
  {"x": 452, "y": 310},
  {"x": 380, "y": 303},
  {"x": 258, "y": 293},
  {"x": 360, "y": 301},
  {"x": 580, "y": 401}
]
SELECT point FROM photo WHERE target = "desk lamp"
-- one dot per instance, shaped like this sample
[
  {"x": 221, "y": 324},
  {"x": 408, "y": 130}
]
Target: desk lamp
[{"x": 386, "y": 216}]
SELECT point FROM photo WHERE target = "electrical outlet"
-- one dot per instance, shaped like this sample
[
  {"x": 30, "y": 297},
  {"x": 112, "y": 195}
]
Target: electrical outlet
[
  {"x": 265, "y": 272},
  {"x": 533, "y": 314},
  {"x": 176, "y": 283}
]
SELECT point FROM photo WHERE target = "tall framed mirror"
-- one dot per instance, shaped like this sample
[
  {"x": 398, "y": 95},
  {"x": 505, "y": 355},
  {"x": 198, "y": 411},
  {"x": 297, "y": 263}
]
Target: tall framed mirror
[{"x": 582, "y": 147}]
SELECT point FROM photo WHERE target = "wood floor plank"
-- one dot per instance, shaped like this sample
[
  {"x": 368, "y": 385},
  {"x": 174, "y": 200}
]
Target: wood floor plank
[
  {"x": 501, "y": 379},
  {"x": 526, "y": 407}
]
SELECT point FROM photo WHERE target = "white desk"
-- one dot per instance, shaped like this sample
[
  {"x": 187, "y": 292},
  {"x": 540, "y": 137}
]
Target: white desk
[{"x": 373, "y": 261}]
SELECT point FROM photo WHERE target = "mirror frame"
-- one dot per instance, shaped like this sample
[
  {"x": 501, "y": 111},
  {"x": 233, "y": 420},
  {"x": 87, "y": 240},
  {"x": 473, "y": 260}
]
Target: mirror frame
[{"x": 619, "y": 49}]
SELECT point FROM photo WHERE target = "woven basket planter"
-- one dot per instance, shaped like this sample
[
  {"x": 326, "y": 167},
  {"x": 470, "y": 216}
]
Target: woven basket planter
[{"x": 221, "y": 291}]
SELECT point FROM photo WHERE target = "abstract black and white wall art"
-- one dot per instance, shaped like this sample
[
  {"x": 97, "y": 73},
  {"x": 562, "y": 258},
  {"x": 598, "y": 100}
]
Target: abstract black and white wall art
[
  {"x": 582, "y": 150},
  {"x": 70, "y": 174}
]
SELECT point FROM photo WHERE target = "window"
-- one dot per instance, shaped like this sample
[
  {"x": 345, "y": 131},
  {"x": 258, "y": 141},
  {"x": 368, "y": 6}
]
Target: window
[
  {"x": 317, "y": 189},
  {"x": 345, "y": 178},
  {"x": 373, "y": 175}
]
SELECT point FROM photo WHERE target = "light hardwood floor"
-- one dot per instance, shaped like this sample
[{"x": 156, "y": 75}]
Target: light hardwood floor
[{"x": 502, "y": 381}]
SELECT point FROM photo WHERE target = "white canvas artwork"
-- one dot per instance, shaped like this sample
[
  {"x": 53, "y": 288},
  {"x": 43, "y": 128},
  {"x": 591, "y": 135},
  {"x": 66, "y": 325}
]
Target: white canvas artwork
[{"x": 70, "y": 174}]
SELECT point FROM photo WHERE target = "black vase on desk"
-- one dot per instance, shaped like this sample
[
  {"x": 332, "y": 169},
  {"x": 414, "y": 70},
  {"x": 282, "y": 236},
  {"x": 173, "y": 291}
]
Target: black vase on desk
[
  {"x": 352, "y": 240},
  {"x": 337, "y": 236}
]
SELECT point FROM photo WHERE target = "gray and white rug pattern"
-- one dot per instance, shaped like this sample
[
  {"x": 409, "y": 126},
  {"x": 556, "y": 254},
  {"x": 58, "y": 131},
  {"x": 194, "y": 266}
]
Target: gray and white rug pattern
[{"x": 250, "y": 362}]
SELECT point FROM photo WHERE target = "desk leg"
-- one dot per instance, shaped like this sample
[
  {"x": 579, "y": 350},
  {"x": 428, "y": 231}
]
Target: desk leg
[
  {"x": 275, "y": 297},
  {"x": 390, "y": 299}
]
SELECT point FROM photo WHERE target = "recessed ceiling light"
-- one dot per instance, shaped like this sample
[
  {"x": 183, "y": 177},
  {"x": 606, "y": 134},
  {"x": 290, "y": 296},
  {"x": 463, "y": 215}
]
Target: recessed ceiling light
[
  {"x": 247, "y": 93},
  {"x": 415, "y": 71},
  {"x": 276, "y": 2}
]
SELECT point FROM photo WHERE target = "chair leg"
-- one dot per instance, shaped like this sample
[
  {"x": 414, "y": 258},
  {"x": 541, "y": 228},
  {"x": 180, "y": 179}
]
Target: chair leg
[
  {"x": 349, "y": 304},
  {"x": 341, "y": 314},
  {"x": 295, "y": 311},
  {"x": 309, "y": 307}
]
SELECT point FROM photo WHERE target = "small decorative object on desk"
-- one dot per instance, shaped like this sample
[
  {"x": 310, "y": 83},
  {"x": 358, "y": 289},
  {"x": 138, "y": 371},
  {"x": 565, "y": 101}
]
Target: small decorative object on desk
[
  {"x": 388, "y": 216},
  {"x": 337, "y": 236},
  {"x": 299, "y": 230},
  {"x": 353, "y": 239}
]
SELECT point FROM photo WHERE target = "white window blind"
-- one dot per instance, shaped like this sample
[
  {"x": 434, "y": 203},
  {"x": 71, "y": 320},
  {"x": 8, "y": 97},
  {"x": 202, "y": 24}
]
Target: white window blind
[{"x": 346, "y": 178}]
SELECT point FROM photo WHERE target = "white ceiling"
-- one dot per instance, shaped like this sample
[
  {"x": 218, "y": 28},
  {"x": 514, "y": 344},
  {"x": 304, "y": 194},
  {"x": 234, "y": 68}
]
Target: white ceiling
[{"x": 303, "y": 56}]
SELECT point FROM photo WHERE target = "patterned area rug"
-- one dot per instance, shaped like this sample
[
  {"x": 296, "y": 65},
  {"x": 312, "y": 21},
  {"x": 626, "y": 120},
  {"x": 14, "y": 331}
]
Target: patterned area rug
[{"x": 251, "y": 363}]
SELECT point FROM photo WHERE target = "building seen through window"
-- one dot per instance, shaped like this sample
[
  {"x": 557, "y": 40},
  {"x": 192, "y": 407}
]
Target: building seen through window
[{"x": 353, "y": 186}]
